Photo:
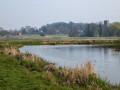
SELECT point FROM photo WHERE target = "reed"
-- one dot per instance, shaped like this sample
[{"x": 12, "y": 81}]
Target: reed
[
  {"x": 11, "y": 51},
  {"x": 30, "y": 57},
  {"x": 77, "y": 75},
  {"x": 50, "y": 67}
]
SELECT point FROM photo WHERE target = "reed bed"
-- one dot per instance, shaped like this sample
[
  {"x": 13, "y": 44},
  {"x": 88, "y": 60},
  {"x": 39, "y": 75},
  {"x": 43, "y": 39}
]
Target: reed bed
[{"x": 75, "y": 75}]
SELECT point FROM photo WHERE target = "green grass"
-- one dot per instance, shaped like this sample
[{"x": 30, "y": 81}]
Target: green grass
[
  {"x": 56, "y": 42},
  {"x": 27, "y": 75},
  {"x": 33, "y": 36},
  {"x": 26, "y": 42},
  {"x": 63, "y": 37},
  {"x": 13, "y": 76},
  {"x": 58, "y": 35}
]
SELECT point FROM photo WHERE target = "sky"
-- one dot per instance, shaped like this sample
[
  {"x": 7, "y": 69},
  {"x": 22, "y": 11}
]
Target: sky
[{"x": 36, "y": 13}]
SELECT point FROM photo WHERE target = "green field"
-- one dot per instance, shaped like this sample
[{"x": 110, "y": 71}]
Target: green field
[{"x": 56, "y": 36}]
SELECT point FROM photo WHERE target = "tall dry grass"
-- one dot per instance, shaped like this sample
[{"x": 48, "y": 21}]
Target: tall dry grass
[
  {"x": 79, "y": 75},
  {"x": 30, "y": 57},
  {"x": 14, "y": 51},
  {"x": 11, "y": 51},
  {"x": 27, "y": 57}
]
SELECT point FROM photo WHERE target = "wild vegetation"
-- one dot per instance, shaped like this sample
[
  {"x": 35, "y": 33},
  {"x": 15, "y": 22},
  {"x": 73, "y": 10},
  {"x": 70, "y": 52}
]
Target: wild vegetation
[
  {"x": 74, "y": 78},
  {"x": 27, "y": 71}
]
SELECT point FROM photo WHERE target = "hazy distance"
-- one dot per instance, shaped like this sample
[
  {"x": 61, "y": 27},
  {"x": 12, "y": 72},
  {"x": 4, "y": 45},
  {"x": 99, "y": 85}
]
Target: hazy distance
[{"x": 18, "y": 13}]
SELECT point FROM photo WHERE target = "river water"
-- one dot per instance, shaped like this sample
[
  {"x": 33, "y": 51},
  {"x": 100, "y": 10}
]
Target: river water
[{"x": 106, "y": 61}]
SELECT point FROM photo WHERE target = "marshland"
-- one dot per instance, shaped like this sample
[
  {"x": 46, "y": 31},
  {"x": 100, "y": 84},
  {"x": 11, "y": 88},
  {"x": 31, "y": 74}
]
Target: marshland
[{"x": 30, "y": 70}]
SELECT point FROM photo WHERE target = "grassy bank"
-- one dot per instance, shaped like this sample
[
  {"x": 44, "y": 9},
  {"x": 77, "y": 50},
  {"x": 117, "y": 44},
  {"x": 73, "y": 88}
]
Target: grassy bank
[
  {"x": 113, "y": 43},
  {"x": 14, "y": 76},
  {"x": 57, "y": 41},
  {"x": 27, "y": 71}
]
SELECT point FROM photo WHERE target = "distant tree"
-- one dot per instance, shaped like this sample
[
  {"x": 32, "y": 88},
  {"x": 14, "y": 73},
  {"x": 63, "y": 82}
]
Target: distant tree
[
  {"x": 3, "y": 32},
  {"x": 23, "y": 30},
  {"x": 62, "y": 27},
  {"x": 96, "y": 32},
  {"x": 74, "y": 29},
  {"x": 87, "y": 31},
  {"x": 29, "y": 30},
  {"x": 92, "y": 30},
  {"x": 100, "y": 30},
  {"x": 1, "y": 28},
  {"x": 44, "y": 29},
  {"x": 70, "y": 24},
  {"x": 73, "y": 32},
  {"x": 42, "y": 33},
  {"x": 114, "y": 29}
]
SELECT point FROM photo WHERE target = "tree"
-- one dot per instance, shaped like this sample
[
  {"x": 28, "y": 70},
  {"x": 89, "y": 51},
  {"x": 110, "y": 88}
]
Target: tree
[
  {"x": 114, "y": 29},
  {"x": 62, "y": 27},
  {"x": 100, "y": 30},
  {"x": 3, "y": 32},
  {"x": 87, "y": 31},
  {"x": 23, "y": 30},
  {"x": 73, "y": 32},
  {"x": 42, "y": 33}
]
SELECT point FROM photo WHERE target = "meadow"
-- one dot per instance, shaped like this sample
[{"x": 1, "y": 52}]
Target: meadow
[{"x": 29, "y": 72}]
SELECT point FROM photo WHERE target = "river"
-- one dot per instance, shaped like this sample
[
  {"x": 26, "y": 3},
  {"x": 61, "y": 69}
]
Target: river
[{"x": 106, "y": 61}]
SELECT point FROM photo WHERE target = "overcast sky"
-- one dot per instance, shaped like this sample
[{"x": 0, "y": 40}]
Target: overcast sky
[{"x": 18, "y": 13}]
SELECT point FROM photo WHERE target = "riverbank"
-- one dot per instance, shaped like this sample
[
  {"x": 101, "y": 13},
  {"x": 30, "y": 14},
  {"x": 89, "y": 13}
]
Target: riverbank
[
  {"x": 26, "y": 73},
  {"x": 46, "y": 73},
  {"x": 108, "y": 42},
  {"x": 56, "y": 41}
]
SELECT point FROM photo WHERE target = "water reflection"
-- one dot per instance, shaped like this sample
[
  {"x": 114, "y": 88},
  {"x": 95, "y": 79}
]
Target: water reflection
[{"x": 106, "y": 61}]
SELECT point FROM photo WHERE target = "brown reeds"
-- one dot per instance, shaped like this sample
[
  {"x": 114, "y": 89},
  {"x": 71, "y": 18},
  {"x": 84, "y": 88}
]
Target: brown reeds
[
  {"x": 74, "y": 75},
  {"x": 11, "y": 51},
  {"x": 14, "y": 51},
  {"x": 50, "y": 67},
  {"x": 79, "y": 75},
  {"x": 30, "y": 57}
]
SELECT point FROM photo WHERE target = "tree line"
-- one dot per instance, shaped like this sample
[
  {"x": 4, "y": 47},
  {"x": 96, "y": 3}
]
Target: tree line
[
  {"x": 71, "y": 28},
  {"x": 100, "y": 30}
]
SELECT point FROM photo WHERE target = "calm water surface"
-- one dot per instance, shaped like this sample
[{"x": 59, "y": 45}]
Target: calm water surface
[{"x": 106, "y": 61}]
